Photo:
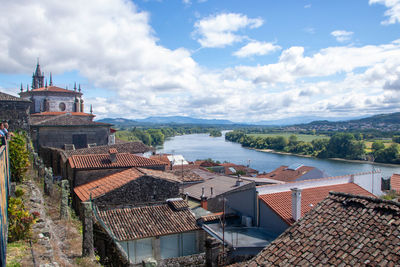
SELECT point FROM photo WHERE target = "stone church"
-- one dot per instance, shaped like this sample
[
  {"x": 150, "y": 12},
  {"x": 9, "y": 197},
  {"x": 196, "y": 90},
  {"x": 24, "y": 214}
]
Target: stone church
[{"x": 57, "y": 117}]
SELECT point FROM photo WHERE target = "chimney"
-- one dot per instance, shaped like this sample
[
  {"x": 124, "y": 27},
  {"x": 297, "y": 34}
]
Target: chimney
[
  {"x": 296, "y": 203},
  {"x": 212, "y": 191},
  {"x": 239, "y": 181},
  {"x": 203, "y": 199},
  {"x": 113, "y": 154}
]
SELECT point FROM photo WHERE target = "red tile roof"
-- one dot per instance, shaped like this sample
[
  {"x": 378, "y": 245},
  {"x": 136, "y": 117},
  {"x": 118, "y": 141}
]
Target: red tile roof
[
  {"x": 286, "y": 175},
  {"x": 395, "y": 182},
  {"x": 106, "y": 184},
  {"x": 54, "y": 89},
  {"x": 281, "y": 203},
  {"x": 148, "y": 221},
  {"x": 55, "y": 113},
  {"x": 162, "y": 157},
  {"x": 343, "y": 230},
  {"x": 102, "y": 161},
  {"x": 66, "y": 119}
]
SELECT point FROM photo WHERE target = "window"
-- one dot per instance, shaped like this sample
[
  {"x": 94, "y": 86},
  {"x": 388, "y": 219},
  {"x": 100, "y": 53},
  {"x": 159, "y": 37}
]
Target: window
[
  {"x": 189, "y": 243},
  {"x": 169, "y": 246},
  {"x": 62, "y": 106}
]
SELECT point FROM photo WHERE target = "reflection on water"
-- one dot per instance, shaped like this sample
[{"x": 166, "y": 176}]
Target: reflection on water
[{"x": 202, "y": 146}]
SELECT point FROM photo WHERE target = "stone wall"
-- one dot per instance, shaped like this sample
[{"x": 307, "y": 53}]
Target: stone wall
[
  {"x": 143, "y": 189},
  {"x": 186, "y": 261},
  {"x": 16, "y": 113},
  {"x": 111, "y": 254},
  {"x": 59, "y": 136}
]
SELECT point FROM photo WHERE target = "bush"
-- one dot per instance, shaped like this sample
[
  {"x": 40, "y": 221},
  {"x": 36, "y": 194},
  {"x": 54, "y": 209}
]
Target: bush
[
  {"x": 19, "y": 192},
  {"x": 20, "y": 221},
  {"x": 19, "y": 157}
]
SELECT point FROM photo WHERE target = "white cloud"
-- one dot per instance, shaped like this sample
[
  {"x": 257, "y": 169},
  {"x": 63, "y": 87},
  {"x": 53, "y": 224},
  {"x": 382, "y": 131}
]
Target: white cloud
[
  {"x": 187, "y": 2},
  {"x": 393, "y": 11},
  {"x": 111, "y": 44},
  {"x": 342, "y": 36},
  {"x": 256, "y": 48},
  {"x": 219, "y": 30},
  {"x": 307, "y": 6}
]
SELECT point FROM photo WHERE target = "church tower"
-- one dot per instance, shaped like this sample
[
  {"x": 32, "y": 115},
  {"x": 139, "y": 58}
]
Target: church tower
[{"x": 37, "y": 78}]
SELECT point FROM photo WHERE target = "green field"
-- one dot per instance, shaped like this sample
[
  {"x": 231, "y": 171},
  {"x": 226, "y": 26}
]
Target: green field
[{"x": 300, "y": 137}]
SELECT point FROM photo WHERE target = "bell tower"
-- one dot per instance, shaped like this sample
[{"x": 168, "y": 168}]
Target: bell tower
[{"x": 37, "y": 77}]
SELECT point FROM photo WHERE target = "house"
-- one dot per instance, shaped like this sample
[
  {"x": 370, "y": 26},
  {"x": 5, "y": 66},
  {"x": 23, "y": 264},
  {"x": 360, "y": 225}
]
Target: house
[
  {"x": 82, "y": 169},
  {"x": 57, "y": 158},
  {"x": 15, "y": 111},
  {"x": 160, "y": 231},
  {"x": 234, "y": 169},
  {"x": 171, "y": 160},
  {"x": 295, "y": 172},
  {"x": 279, "y": 210},
  {"x": 395, "y": 182},
  {"x": 65, "y": 129},
  {"x": 342, "y": 230},
  {"x": 270, "y": 206},
  {"x": 131, "y": 186},
  {"x": 209, "y": 194}
]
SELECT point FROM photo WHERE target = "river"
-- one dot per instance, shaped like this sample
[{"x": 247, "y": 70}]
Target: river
[{"x": 202, "y": 146}]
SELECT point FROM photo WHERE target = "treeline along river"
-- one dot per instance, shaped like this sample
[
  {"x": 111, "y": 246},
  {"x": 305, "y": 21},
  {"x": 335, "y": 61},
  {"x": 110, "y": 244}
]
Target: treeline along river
[{"x": 202, "y": 146}]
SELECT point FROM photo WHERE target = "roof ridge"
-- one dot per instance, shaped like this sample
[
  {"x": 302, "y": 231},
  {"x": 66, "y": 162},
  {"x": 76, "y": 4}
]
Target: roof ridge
[{"x": 371, "y": 199}]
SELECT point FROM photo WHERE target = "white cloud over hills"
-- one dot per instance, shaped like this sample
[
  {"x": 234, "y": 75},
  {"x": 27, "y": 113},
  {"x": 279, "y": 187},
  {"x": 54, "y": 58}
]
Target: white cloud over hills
[
  {"x": 219, "y": 30},
  {"x": 112, "y": 44}
]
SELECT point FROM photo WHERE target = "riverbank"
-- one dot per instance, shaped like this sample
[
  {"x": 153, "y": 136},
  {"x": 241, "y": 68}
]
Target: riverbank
[{"x": 337, "y": 159}]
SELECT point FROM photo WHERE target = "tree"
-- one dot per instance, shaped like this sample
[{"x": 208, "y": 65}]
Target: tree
[
  {"x": 396, "y": 139},
  {"x": 377, "y": 145},
  {"x": 19, "y": 157}
]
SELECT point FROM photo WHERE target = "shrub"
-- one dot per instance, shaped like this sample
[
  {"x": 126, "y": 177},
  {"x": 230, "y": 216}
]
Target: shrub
[
  {"x": 20, "y": 221},
  {"x": 19, "y": 192},
  {"x": 19, "y": 157}
]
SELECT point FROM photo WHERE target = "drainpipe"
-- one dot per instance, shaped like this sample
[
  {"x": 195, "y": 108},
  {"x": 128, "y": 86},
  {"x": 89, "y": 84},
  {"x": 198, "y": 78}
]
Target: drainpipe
[{"x": 258, "y": 210}]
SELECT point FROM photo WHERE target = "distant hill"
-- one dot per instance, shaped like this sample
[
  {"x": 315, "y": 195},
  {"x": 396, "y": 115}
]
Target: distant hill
[
  {"x": 302, "y": 120},
  {"x": 165, "y": 120},
  {"x": 381, "y": 122}
]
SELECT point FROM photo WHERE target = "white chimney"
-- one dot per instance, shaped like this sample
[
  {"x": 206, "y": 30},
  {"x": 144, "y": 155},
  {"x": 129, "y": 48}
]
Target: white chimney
[{"x": 296, "y": 203}]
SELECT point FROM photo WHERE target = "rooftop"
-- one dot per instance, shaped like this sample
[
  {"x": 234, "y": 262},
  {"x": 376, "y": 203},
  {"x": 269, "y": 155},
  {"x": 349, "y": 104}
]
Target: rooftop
[
  {"x": 66, "y": 119},
  {"x": 102, "y": 161},
  {"x": 150, "y": 220},
  {"x": 287, "y": 174},
  {"x": 7, "y": 97},
  {"x": 128, "y": 147},
  {"x": 343, "y": 229},
  {"x": 55, "y": 113},
  {"x": 281, "y": 202},
  {"x": 220, "y": 184},
  {"x": 106, "y": 184},
  {"x": 53, "y": 89}
]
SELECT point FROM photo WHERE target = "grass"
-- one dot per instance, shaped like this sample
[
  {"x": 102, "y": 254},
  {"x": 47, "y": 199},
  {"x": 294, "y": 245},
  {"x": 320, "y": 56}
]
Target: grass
[
  {"x": 368, "y": 144},
  {"x": 300, "y": 137},
  {"x": 16, "y": 251}
]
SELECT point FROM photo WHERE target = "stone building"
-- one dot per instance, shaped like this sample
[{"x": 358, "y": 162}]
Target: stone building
[
  {"x": 132, "y": 186},
  {"x": 50, "y": 98},
  {"x": 82, "y": 169},
  {"x": 15, "y": 111}
]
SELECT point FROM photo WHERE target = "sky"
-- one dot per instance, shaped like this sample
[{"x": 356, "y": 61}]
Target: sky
[{"x": 245, "y": 61}]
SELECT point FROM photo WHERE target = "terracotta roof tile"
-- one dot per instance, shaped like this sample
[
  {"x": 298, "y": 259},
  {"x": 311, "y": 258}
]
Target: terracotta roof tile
[
  {"x": 281, "y": 203},
  {"x": 100, "y": 161},
  {"x": 55, "y": 113},
  {"x": 54, "y": 89},
  {"x": 148, "y": 221},
  {"x": 395, "y": 182},
  {"x": 106, "y": 184},
  {"x": 160, "y": 174},
  {"x": 127, "y": 147},
  {"x": 286, "y": 175},
  {"x": 66, "y": 119},
  {"x": 342, "y": 230}
]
